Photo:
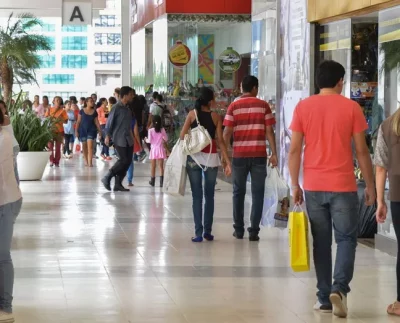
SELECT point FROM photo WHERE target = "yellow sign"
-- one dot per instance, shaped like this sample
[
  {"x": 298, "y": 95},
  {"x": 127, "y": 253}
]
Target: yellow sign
[{"x": 179, "y": 55}]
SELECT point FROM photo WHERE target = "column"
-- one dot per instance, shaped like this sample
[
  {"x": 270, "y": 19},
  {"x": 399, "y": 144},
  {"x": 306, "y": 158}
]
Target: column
[{"x": 126, "y": 21}]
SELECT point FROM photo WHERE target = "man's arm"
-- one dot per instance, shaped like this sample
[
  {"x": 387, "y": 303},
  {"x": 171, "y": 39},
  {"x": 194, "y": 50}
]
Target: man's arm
[
  {"x": 296, "y": 148},
  {"x": 110, "y": 123},
  {"x": 228, "y": 131},
  {"x": 365, "y": 163}
]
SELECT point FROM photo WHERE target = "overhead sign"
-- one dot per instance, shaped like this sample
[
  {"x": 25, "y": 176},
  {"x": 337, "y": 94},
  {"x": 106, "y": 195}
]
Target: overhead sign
[
  {"x": 77, "y": 13},
  {"x": 179, "y": 55}
]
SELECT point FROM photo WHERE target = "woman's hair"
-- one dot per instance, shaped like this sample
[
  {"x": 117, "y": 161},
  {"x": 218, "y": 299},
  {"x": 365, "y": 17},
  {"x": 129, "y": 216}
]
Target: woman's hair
[
  {"x": 205, "y": 97},
  {"x": 112, "y": 100},
  {"x": 157, "y": 123},
  {"x": 27, "y": 104},
  {"x": 102, "y": 100},
  {"x": 86, "y": 101},
  {"x": 396, "y": 123}
]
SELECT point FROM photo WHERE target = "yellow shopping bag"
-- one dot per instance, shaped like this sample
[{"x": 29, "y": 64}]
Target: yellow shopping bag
[{"x": 298, "y": 241}]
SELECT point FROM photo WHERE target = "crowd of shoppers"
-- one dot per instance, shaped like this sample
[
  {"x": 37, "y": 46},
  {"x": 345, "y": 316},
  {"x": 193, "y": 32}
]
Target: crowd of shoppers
[{"x": 327, "y": 131}]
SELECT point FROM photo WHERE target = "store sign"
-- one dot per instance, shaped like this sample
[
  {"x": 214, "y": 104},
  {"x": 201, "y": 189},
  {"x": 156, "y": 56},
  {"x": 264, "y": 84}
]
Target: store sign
[
  {"x": 179, "y": 55},
  {"x": 77, "y": 13},
  {"x": 230, "y": 60}
]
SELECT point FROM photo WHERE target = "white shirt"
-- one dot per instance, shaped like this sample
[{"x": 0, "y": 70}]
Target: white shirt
[
  {"x": 155, "y": 109},
  {"x": 10, "y": 130},
  {"x": 9, "y": 189}
]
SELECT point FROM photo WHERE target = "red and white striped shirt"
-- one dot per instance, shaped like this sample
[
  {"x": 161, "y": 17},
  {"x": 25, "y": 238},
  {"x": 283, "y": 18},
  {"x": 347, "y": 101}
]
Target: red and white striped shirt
[{"x": 249, "y": 117}]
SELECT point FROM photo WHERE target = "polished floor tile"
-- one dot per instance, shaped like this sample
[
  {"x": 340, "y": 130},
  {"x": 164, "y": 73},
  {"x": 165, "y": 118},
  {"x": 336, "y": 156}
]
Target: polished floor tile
[{"x": 84, "y": 255}]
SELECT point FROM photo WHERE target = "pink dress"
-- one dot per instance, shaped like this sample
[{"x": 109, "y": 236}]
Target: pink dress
[{"x": 156, "y": 140}]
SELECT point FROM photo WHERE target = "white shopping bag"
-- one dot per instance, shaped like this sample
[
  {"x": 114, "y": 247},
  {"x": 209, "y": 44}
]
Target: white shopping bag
[
  {"x": 175, "y": 171},
  {"x": 276, "y": 201}
]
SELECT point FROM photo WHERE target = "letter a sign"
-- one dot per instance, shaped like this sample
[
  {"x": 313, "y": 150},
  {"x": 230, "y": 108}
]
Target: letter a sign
[{"x": 77, "y": 13}]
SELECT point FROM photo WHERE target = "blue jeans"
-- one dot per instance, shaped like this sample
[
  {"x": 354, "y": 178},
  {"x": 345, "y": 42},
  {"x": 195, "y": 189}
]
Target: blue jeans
[
  {"x": 130, "y": 171},
  {"x": 8, "y": 215},
  {"x": 105, "y": 150},
  {"x": 195, "y": 174},
  {"x": 241, "y": 167},
  {"x": 327, "y": 210}
]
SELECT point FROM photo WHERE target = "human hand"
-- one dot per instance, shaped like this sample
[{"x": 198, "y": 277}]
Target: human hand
[
  {"x": 273, "y": 161},
  {"x": 298, "y": 195},
  {"x": 381, "y": 212},
  {"x": 370, "y": 195},
  {"x": 227, "y": 169},
  {"x": 76, "y": 134}
]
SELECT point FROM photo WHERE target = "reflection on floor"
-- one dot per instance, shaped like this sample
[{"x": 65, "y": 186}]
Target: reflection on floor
[{"x": 84, "y": 255}]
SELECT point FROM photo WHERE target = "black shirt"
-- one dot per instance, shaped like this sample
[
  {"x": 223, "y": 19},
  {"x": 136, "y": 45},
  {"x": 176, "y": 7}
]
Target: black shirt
[{"x": 137, "y": 109}]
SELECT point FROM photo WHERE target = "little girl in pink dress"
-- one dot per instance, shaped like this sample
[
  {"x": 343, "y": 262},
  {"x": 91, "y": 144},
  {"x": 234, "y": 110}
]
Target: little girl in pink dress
[{"x": 157, "y": 139}]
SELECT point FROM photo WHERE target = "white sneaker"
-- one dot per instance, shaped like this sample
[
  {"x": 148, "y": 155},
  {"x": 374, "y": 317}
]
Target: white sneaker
[
  {"x": 6, "y": 317},
  {"x": 339, "y": 302},
  {"x": 322, "y": 308}
]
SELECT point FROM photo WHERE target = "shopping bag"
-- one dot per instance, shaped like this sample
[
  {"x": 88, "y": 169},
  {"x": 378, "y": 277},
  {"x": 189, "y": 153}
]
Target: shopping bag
[
  {"x": 298, "y": 240},
  {"x": 77, "y": 145},
  {"x": 175, "y": 171},
  {"x": 276, "y": 201}
]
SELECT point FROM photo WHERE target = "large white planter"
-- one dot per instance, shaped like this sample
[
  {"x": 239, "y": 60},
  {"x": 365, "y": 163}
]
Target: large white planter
[{"x": 31, "y": 165}]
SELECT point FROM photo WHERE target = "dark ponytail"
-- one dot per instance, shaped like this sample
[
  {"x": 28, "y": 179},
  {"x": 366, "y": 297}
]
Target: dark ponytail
[
  {"x": 157, "y": 123},
  {"x": 205, "y": 97}
]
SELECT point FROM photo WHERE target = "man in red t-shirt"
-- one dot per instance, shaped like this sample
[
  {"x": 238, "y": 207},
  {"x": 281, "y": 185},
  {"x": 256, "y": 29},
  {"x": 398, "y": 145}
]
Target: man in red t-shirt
[
  {"x": 251, "y": 122},
  {"x": 327, "y": 124}
]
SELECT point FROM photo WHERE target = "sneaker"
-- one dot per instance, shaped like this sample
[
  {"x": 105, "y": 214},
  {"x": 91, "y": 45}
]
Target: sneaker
[
  {"x": 208, "y": 236},
  {"x": 254, "y": 237},
  {"x": 51, "y": 164},
  {"x": 196, "y": 239},
  {"x": 238, "y": 235},
  {"x": 130, "y": 184},
  {"x": 6, "y": 317},
  {"x": 339, "y": 302},
  {"x": 323, "y": 308}
]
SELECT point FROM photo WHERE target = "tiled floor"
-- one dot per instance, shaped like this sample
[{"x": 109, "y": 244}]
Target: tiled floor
[{"x": 84, "y": 255}]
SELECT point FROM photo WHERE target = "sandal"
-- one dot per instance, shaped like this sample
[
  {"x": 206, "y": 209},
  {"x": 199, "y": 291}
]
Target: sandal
[{"x": 392, "y": 309}]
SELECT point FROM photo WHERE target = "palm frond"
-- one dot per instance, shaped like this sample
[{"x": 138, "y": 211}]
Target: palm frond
[{"x": 391, "y": 55}]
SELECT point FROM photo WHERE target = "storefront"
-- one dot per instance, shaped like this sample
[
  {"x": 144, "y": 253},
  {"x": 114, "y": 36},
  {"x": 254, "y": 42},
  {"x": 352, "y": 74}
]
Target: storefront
[
  {"x": 178, "y": 47},
  {"x": 365, "y": 39}
]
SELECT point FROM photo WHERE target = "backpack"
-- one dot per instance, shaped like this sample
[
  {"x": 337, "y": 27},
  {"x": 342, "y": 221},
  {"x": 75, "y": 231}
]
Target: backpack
[{"x": 166, "y": 117}]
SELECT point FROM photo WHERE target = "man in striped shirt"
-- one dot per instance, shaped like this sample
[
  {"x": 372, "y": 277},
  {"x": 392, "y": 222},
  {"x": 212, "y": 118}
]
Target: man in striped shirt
[{"x": 251, "y": 122}]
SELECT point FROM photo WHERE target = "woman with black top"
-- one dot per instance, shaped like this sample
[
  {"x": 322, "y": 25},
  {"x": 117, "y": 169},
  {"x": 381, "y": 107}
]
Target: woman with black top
[{"x": 209, "y": 161}]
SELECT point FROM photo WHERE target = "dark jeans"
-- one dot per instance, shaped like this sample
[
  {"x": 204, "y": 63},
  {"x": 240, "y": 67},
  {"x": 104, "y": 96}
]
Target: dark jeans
[
  {"x": 125, "y": 159},
  {"x": 241, "y": 167},
  {"x": 395, "y": 209},
  {"x": 105, "y": 150},
  {"x": 327, "y": 210},
  {"x": 195, "y": 174},
  {"x": 67, "y": 140}
]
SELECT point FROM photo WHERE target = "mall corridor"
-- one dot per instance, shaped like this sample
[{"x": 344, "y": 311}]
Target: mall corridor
[{"x": 83, "y": 255}]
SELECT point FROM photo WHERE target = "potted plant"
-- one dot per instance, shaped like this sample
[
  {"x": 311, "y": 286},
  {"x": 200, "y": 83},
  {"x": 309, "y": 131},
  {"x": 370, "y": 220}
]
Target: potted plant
[{"x": 33, "y": 134}]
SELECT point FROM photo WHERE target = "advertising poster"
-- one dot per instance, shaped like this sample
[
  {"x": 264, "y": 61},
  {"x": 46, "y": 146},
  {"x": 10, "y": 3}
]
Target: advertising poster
[
  {"x": 294, "y": 68},
  {"x": 179, "y": 54},
  {"x": 230, "y": 60}
]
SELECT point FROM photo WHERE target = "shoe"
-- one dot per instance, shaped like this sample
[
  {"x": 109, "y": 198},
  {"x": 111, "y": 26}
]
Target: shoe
[
  {"x": 152, "y": 181},
  {"x": 197, "y": 239},
  {"x": 108, "y": 158},
  {"x": 339, "y": 302},
  {"x": 323, "y": 308},
  {"x": 161, "y": 181},
  {"x": 106, "y": 180},
  {"x": 6, "y": 317},
  {"x": 118, "y": 187},
  {"x": 208, "y": 236},
  {"x": 57, "y": 165},
  {"x": 130, "y": 184},
  {"x": 238, "y": 235},
  {"x": 51, "y": 164},
  {"x": 254, "y": 237}
]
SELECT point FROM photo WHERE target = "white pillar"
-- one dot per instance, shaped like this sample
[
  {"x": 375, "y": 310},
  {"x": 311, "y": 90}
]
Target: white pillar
[{"x": 126, "y": 21}]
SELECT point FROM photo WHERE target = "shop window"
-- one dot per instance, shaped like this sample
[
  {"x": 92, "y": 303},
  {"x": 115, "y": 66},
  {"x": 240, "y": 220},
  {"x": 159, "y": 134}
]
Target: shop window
[
  {"x": 47, "y": 61},
  {"x": 74, "y": 29},
  {"x": 74, "y": 43},
  {"x": 107, "y": 21},
  {"x": 107, "y": 58},
  {"x": 74, "y": 61},
  {"x": 58, "y": 79}
]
